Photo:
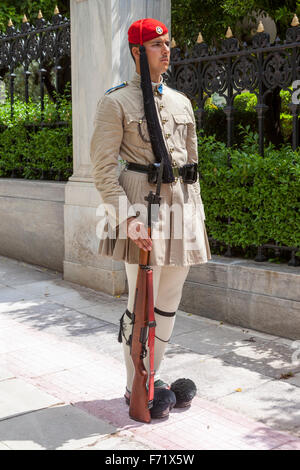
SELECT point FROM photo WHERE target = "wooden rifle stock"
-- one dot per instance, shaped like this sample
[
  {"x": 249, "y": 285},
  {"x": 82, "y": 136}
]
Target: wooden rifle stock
[{"x": 140, "y": 404}]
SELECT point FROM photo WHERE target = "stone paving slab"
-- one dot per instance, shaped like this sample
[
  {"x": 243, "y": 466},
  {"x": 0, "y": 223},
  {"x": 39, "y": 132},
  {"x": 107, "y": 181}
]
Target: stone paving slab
[
  {"x": 120, "y": 441},
  {"x": 60, "y": 427},
  {"x": 213, "y": 378},
  {"x": 101, "y": 340},
  {"x": 188, "y": 324},
  {"x": 228, "y": 326},
  {"x": 17, "y": 308},
  {"x": 35, "y": 356},
  {"x": 21, "y": 277},
  {"x": 77, "y": 360},
  {"x": 18, "y": 396},
  {"x": 5, "y": 374},
  {"x": 58, "y": 288},
  {"x": 48, "y": 288},
  {"x": 10, "y": 294},
  {"x": 95, "y": 387},
  {"x": 9, "y": 265},
  {"x": 275, "y": 402},
  {"x": 5, "y": 322},
  {"x": 3, "y": 447},
  {"x": 290, "y": 446},
  {"x": 13, "y": 339},
  {"x": 295, "y": 380},
  {"x": 209, "y": 427},
  {"x": 268, "y": 358},
  {"x": 75, "y": 300},
  {"x": 214, "y": 340},
  {"x": 108, "y": 312},
  {"x": 53, "y": 317}
]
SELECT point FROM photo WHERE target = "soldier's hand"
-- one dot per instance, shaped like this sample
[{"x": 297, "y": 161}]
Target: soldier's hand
[{"x": 138, "y": 233}]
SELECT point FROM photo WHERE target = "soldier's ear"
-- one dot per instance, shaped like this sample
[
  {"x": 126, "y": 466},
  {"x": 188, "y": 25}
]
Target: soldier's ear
[{"x": 136, "y": 51}]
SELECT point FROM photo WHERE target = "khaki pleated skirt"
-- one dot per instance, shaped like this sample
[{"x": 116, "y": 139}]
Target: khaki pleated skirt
[{"x": 179, "y": 235}]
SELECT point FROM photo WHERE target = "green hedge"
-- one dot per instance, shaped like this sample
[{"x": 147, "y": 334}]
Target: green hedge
[
  {"x": 45, "y": 153},
  {"x": 244, "y": 114},
  {"x": 29, "y": 150},
  {"x": 260, "y": 194}
]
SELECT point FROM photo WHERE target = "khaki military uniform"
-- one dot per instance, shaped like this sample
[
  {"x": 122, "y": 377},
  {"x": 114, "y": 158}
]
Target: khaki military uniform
[{"x": 120, "y": 129}]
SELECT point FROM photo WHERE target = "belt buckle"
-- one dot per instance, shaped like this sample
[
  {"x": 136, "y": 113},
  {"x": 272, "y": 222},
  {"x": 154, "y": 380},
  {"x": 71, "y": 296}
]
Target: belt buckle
[{"x": 175, "y": 172}]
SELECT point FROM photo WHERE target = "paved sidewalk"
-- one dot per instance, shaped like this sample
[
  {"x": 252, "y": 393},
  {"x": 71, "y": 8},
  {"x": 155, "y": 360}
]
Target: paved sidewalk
[{"x": 62, "y": 376}]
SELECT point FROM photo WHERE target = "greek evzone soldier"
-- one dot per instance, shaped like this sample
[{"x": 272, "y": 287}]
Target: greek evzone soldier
[{"x": 179, "y": 238}]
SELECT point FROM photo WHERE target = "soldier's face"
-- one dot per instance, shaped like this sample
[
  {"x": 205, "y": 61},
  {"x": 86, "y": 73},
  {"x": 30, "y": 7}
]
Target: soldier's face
[{"x": 158, "y": 53}]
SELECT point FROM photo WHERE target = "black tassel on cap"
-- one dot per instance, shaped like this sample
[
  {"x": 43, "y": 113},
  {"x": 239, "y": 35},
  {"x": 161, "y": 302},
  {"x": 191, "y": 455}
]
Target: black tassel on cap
[{"x": 157, "y": 141}]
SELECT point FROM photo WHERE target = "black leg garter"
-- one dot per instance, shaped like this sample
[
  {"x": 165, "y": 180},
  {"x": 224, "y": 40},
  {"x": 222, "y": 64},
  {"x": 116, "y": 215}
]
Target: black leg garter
[
  {"x": 121, "y": 329},
  {"x": 164, "y": 314},
  {"x": 129, "y": 314}
]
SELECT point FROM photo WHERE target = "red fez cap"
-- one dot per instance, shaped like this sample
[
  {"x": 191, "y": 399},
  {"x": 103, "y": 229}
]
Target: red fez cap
[{"x": 146, "y": 29}]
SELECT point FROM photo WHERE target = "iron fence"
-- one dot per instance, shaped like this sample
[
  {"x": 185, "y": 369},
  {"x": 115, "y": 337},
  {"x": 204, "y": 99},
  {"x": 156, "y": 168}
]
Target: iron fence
[
  {"x": 261, "y": 68},
  {"x": 47, "y": 43}
]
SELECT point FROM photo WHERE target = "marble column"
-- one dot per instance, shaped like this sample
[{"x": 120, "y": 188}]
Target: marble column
[{"x": 100, "y": 59}]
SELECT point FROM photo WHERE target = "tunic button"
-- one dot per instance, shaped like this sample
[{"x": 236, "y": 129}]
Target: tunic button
[
  {"x": 171, "y": 149},
  {"x": 161, "y": 106},
  {"x": 168, "y": 135},
  {"x": 164, "y": 120}
]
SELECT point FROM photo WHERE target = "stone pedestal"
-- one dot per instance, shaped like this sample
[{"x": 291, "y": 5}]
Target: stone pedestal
[{"x": 100, "y": 60}]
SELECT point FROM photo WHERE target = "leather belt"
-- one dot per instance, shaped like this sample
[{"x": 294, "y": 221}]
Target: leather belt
[
  {"x": 188, "y": 172},
  {"x": 137, "y": 167}
]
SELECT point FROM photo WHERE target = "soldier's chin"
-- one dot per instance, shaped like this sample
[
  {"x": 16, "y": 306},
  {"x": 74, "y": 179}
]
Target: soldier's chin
[{"x": 165, "y": 66}]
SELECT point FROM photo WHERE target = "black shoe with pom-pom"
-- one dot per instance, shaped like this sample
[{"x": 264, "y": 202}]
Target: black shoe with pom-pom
[
  {"x": 184, "y": 390},
  {"x": 163, "y": 402}
]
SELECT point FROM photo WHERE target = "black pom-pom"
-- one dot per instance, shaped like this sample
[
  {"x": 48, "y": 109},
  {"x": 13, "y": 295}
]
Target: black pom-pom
[
  {"x": 185, "y": 390},
  {"x": 163, "y": 402}
]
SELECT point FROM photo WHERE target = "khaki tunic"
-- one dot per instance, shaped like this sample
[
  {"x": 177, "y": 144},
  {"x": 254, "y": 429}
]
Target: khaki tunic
[{"x": 120, "y": 129}]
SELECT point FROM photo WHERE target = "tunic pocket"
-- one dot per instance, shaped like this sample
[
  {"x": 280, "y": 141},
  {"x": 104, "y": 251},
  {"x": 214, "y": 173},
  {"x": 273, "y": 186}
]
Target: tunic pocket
[
  {"x": 136, "y": 129},
  {"x": 181, "y": 121}
]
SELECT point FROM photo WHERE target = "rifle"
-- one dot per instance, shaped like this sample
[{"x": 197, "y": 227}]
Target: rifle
[{"x": 141, "y": 399}]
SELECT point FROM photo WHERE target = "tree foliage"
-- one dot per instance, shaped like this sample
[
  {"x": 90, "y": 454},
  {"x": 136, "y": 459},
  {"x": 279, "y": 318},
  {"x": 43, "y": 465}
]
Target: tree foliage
[
  {"x": 15, "y": 10},
  {"x": 213, "y": 17}
]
